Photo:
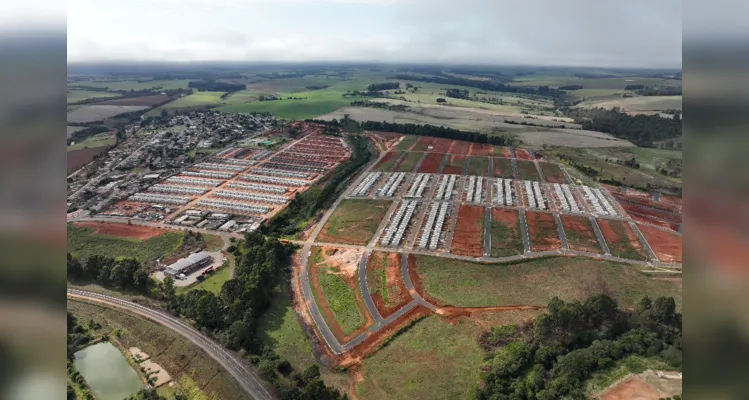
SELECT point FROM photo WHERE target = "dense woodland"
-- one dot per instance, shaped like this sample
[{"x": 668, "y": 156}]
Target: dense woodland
[
  {"x": 642, "y": 130},
  {"x": 376, "y": 87},
  {"x": 457, "y": 93},
  {"x": 485, "y": 85},
  {"x": 660, "y": 91},
  {"x": 552, "y": 358},
  {"x": 571, "y": 87},
  {"x": 376, "y": 104}
]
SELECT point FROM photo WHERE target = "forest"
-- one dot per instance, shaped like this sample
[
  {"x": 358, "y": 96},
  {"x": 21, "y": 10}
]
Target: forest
[
  {"x": 376, "y": 87},
  {"x": 485, "y": 85},
  {"x": 642, "y": 130}
]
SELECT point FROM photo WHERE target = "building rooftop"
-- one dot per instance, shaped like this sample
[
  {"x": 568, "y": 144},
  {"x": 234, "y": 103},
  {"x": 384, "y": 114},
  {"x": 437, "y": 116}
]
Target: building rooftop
[{"x": 187, "y": 262}]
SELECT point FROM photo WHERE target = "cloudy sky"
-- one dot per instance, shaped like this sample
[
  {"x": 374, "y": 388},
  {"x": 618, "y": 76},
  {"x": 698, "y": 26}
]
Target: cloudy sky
[{"x": 635, "y": 33}]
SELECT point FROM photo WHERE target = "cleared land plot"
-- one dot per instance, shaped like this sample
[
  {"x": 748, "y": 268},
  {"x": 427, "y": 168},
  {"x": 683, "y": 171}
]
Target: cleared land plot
[
  {"x": 79, "y": 158},
  {"x": 542, "y": 230},
  {"x": 423, "y": 143},
  {"x": 580, "y": 235},
  {"x": 139, "y": 232},
  {"x": 503, "y": 168},
  {"x": 406, "y": 142},
  {"x": 441, "y": 145},
  {"x": 552, "y": 172},
  {"x": 408, "y": 163},
  {"x": 98, "y": 113},
  {"x": 83, "y": 242},
  {"x": 459, "y": 147},
  {"x": 386, "y": 287},
  {"x": 387, "y": 162},
  {"x": 454, "y": 164},
  {"x": 501, "y": 151},
  {"x": 354, "y": 221},
  {"x": 432, "y": 163},
  {"x": 621, "y": 239},
  {"x": 197, "y": 99},
  {"x": 569, "y": 138},
  {"x": 667, "y": 246},
  {"x": 137, "y": 101},
  {"x": 478, "y": 166},
  {"x": 506, "y": 239},
  {"x": 527, "y": 171},
  {"x": 652, "y": 214},
  {"x": 535, "y": 282},
  {"x": 468, "y": 239},
  {"x": 481, "y": 149},
  {"x": 522, "y": 154}
]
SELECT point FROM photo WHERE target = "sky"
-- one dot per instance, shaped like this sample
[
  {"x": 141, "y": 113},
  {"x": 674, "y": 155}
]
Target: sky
[{"x": 633, "y": 33}]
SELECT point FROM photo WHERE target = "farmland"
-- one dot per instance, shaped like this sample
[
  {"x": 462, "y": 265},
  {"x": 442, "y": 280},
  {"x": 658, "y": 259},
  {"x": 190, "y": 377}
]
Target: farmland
[
  {"x": 621, "y": 239},
  {"x": 469, "y": 232},
  {"x": 580, "y": 235},
  {"x": 542, "y": 231},
  {"x": 75, "y": 96},
  {"x": 354, "y": 221},
  {"x": 195, "y": 100},
  {"x": 505, "y": 231},
  {"x": 99, "y": 113},
  {"x": 92, "y": 142},
  {"x": 636, "y": 105},
  {"x": 535, "y": 282}
]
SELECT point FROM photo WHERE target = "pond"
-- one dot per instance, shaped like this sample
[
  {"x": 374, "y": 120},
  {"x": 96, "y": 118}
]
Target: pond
[{"x": 107, "y": 372}]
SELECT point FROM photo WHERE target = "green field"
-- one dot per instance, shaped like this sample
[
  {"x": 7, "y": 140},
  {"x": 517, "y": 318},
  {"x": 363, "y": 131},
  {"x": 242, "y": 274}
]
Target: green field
[
  {"x": 83, "y": 243},
  {"x": 406, "y": 142},
  {"x": 503, "y": 168},
  {"x": 506, "y": 239},
  {"x": 280, "y": 329},
  {"x": 75, "y": 96},
  {"x": 478, "y": 166},
  {"x": 195, "y": 100},
  {"x": 624, "y": 248},
  {"x": 213, "y": 283},
  {"x": 342, "y": 301},
  {"x": 104, "y": 139},
  {"x": 527, "y": 170},
  {"x": 388, "y": 161},
  {"x": 134, "y": 85},
  {"x": 409, "y": 162},
  {"x": 535, "y": 282},
  {"x": 354, "y": 221}
]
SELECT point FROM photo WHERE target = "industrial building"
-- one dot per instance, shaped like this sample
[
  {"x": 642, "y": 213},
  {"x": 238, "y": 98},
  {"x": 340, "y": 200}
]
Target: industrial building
[{"x": 189, "y": 264}]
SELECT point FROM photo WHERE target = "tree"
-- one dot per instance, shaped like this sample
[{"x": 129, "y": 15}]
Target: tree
[{"x": 164, "y": 114}]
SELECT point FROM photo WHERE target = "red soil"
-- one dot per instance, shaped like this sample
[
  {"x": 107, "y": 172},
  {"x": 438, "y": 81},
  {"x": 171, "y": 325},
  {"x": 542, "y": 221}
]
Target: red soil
[
  {"x": 432, "y": 162},
  {"x": 667, "y": 203},
  {"x": 667, "y": 246},
  {"x": 552, "y": 172},
  {"x": 654, "y": 221},
  {"x": 468, "y": 239},
  {"x": 522, "y": 154},
  {"x": 652, "y": 214},
  {"x": 614, "y": 240},
  {"x": 122, "y": 230},
  {"x": 542, "y": 231},
  {"x": 459, "y": 147},
  {"x": 393, "y": 281},
  {"x": 441, "y": 145},
  {"x": 632, "y": 388},
  {"x": 389, "y": 156},
  {"x": 454, "y": 165},
  {"x": 79, "y": 158},
  {"x": 481, "y": 149},
  {"x": 423, "y": 143},
  {"x": 505, "y": 152},
  {"x": 583, "y": 238}
]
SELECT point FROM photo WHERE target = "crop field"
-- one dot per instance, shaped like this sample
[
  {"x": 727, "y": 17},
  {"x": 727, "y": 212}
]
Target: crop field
[
  {"x": 75, "y": 96},
  {"x": 137, "y": 101},
  {"x": 478, "y": 166},
  {"x": 552, "y": 172},
  {"x": 408, "y": 163},
  {"x": 197, "y": 99},
  {"x": 522, "y": 154},
  {"x": 454, "y": 164},
  {"x": 468, "y": 239},
  {"x": 667, "y": 246},
  {"x": 309, "y": 104},
  {"x": 386, "y": 163},
  {"x": 432, "y": 163},
  {"x": 99, "y": 113},
  {"x": 506, "y": 239},
  {"x": 135, "y": 85},
  {"x": 481, "y": 149},
  {"x": 460, "y": 147},
  {"x": 354, "y": 221},
  {"x": 621, "y": 239},
  {"x": 503, "y": 168},
  {"x": 637, "y": 104},
  {"x": 535, "y": 282},
  {"x": 423, "y": 143},
  {"x": 580, "y": 235},
  {"x": 406, "y": 142},
  {"x": 542, "y": 230},
  {"x": 177, "y": 355},
  {"x": 386, "y": 287},
  {"x": 83, "y": 242},
  {"x": 527, "y": 170},
  {"x": 96, "y": 141},
  {"x": 441, "y": 145}
]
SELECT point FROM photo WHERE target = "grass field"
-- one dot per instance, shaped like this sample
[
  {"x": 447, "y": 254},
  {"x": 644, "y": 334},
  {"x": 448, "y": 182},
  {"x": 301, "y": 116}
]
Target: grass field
[
  {"x": 535, "y": 282},
  {"x": 478, "y": 166},
  {"x": 104, "y": 139},
  {"x": 388, "y": 161},
  {"x": 527, "y": 170},
  {"x": 503, "y": 168},
  {"x": 621, "y": 240},
  {"x": 342, "y": 301},
  {"x": 83, "y": 243},
  {"x": 174, "y": 353},
  {"x": 280, "y": 329},
  {"x": 552, "y": 172},
  {"x": 213, "y": 283},
  {"x": 354, "y": 221},
  {"x": 197, "y": 99},
  {"x": 409, "y": 162},
  {"x": 406, "y": 142},
  {"x": 135, "y": 85},
  {"x": 75, "y": 96},
  {"x": 506, "y": 239}
]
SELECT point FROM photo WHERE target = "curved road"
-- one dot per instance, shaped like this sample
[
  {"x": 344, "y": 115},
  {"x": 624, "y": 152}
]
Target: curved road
[{"x": 246, "y": 378}]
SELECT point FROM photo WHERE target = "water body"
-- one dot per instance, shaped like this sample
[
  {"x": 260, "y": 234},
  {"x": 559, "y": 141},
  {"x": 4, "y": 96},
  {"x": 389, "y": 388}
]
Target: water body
[{"x": 107, "y": 372}]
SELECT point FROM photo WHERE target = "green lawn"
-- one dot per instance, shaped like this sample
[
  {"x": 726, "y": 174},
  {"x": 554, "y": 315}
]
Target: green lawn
[
  {"x": 83, "y": 243},
  {"x": 213, "y": 283},
  {"x": 407, "y": 142},
  {"x": 535, "y": 282},
  {"x": 354, "y": 221},
  {"x": 409, "y": 162},
  {"x": 100, "y": 140},
  {"x": 478, "y": 166}
]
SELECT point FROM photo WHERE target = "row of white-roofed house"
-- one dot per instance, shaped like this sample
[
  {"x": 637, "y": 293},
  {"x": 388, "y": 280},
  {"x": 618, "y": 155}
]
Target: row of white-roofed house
[
  {"x": 445, "y": 190},
  {"x": 469, "y": 191},
  {"x": 365, "y": 185},
  {"x": 508, "y": 192},
  {"x": 194, "y": 181},
  {"x": 605, "y": 202},
  {"x": 210, "y": 174},
  {"x": 597, "y": 207},
  {"x": 258, "y": 187},
  {"x": 188, "y": 190},
  {"x": 294, "y": 167},
  {"x": 241, "y": 208},
  {"x": 281, "y": 173},
  {"x": 235, "y": 161},
  {"x": 539, "y": 196},
  {"x": 562, "y": 200},
  {"x": 225, "y": 151},
  {"x": 218, "y": 166},
  {"x": 529, "y": 194},
  {"x": 437, "y": 229},
  {"x": 397, "y": 225},
  {"x": 159, "y": 198},
  {"x": 274, "y": 180},
  {"x": 259, "y": 198},
  {"x": 478, "y": 195},
  {"x": 427, "y": 228},
  {"x": 570, "y": 198},
  {"x": 391, "y": 185},
  {"x": 418, "y": 186},
  {"x": 261, "y": 155},
  {"x": 503, "y": 191}
]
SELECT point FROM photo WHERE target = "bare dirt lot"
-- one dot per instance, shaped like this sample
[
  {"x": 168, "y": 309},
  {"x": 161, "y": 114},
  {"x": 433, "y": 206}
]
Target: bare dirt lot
[
  {"x": 98, "y": 113},
  {"x": 431, "y": 163},
  {"x": 580, "y": 235},
  {"x": 542, "y": 231},
  {"x": 667, "y": 246},
  {"x": 387, "y": 289},
  {"x": 621, "y": 239},
  {"x": 122, "y": 230},
  {"x": 469, "y": 232},
  {"x": 632, "y": 388}
]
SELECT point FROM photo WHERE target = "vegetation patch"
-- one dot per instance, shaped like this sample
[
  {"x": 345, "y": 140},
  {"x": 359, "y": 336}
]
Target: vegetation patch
[
  {"x": 406, "y": 142},
  {"x": 621, "y": 239},
  {"x": 354, "y": 221},
  {"x": 388, "y": 161},
  {"x": 408, "y": 163},
  {"x": 503, "y": 168},
  {"x": 478, "y": 166},
  {"x": 83, "y": 243},
  {"x": 527, "y": 170},
  {"x": 552, "y": 172},
  {"x": 580, "y": 235},
  {"x": 506, "y": 239}
]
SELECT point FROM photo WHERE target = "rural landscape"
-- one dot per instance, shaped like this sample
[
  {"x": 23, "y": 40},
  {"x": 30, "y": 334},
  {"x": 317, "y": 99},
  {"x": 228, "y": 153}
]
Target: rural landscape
[{"x": 379, "y": 229}]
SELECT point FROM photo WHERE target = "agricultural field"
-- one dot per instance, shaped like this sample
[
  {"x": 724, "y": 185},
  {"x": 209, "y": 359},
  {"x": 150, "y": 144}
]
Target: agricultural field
[
  {"x": 478, "y": 166},
  {"x": 506, "y": 239},
  {"x": 177, "y": 355},
  {"x": 354, "y": 221},
  {"x": 386, "y": 287},
  {"x": 195, "y": 100},
  {"x": 580, "y": 235},
  {"x": 116, "y": 85},
  {"x": 454, "y": 164},
  {"x": 621, "y": 239},
  {"x": 408, "y": 163},
  {"x": 552, "y": 172},
  {"x": 468, "y": 239},
  {"x": 93, "y": 113},
  {"x": 101, "y": 140},
  {"x": 84, "y": 242},
  {"x": 503, "y": 168},
  {"x": 574, "y": 138},
  {"x": 75, "y": 96},
  {"x": 432, "y": 163},
  {"x": 388, "y": 161},
  {"x": 636, "y": 105},
  {"x": 527, "y": 170},
  {"x": 542, "y": 230},
  {"x": 666, "y": 245},
  {"x": 535, "y": 282},
  {"x": 406, "y": 142},
  {"x": 137, "y": 101}
]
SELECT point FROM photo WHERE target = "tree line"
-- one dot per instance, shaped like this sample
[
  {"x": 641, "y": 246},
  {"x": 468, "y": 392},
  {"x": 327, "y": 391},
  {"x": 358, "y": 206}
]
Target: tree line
[
  {"x": 571, "y": 87},
  {"x": 376, "y": 87},
  {"x": 376, "y": 104},
  {"x": 121, "y": 273},
  {"x": 642, "y": 130},
  {"x": 215, "y": 86},
  {"x": 553, "y": 357},
  {"x": 660, "y": 91},
  {"x": 485, "y": 85},
  {"x": 457, "y": 93}
]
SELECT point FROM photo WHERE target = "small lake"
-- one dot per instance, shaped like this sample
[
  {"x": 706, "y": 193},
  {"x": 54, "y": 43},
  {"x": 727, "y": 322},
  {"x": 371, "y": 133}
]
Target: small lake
[{"x": 107, "y": 372}]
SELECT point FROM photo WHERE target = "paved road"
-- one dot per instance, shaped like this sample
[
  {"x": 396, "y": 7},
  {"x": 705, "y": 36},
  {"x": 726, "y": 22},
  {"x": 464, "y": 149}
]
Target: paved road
[
  {"x": 524, "y": 232},
  {"x": 599, "y": 236},
  {"x": 488, "y": 231},
  {"x": 410, "y": 286},
  {"x": 365, "y": 289},
  {"x": 246, "y": 377},
  {"x": 309, "y": 298},
  {"x": 560, "y": 231}
]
